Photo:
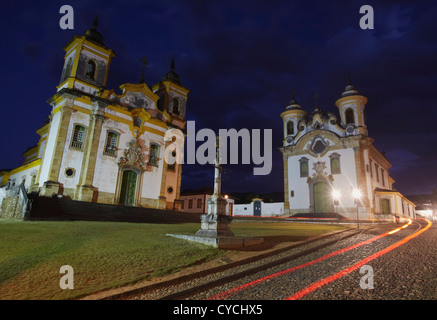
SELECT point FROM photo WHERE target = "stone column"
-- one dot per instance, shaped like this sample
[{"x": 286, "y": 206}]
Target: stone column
[
  {"x": 85, "y": 188},
  {"x": 286, "y": 190},
  {"x": 361, "y": 178},
  {"x": 162, "y": 200},
  {"x": 178, "y": 201},
  {"x": 216, "y": 223},
  {"x": 51, "y": 186}
]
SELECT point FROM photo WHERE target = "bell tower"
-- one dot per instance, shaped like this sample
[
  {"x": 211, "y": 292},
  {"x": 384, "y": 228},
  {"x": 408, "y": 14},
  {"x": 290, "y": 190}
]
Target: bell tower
[
  {"x": 291, "y": 117},
  {"x": 351, "y": 108},
  {"x": 86, "y": 62},
  {"x": 172, "y": 94}
]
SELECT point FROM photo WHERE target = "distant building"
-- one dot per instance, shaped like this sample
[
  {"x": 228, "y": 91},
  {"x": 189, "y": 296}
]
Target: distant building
[
  {"x": 259, "y": 208},
  {"x": 101, "y": 146},
  {"x": 426, "y": 204},
  {"x": 326, "y": 157},
  {"x": 197, "y": 201}
]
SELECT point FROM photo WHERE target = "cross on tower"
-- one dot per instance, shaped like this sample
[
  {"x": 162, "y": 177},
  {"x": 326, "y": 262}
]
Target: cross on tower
[{"x": 144, "y": 61}]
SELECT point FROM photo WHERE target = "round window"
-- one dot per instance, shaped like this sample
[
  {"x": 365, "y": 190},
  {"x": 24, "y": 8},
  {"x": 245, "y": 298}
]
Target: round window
[
  {"x": 170, "y": 189},
  {"x": 69, "y": 172}
]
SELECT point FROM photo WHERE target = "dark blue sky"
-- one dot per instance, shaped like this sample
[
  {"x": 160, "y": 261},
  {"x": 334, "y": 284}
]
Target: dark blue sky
[{"x": 241, "y": 61}]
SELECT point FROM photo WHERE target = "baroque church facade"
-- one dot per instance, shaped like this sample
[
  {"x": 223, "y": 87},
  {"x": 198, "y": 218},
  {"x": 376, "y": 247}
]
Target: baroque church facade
[
  {"x": 331, "y": 164},
  {"x": 100, "y": 146}
]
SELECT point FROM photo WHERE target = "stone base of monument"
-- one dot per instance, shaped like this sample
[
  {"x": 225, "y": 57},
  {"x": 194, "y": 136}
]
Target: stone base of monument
[
  {"x": 216, "y": 231},
  {"x": 222, "y": 242}
]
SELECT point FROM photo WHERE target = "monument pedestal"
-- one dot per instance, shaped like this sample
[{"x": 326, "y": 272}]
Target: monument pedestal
[
  {"x": 215, "y": 229},
  {"x": 215, "y": 225}
]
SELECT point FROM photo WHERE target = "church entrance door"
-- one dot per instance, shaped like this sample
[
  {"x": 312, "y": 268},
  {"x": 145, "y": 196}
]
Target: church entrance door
[
  {"x": 385, "y": 206},
  {"x": 322, "y": 198},
  {"x": 128, "y": 187}
]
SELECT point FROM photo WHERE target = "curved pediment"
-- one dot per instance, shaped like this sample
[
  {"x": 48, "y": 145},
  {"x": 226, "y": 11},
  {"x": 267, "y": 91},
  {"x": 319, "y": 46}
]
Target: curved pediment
[
  {"x": 318, "y": 142},
  {"x": 134, "y": 96}
]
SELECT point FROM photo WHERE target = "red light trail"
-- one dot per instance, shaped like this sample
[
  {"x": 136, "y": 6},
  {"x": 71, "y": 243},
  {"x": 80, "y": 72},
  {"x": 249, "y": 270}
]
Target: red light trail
[
  {"x": 316, "y": 285},
  {"x": 235, "y": 290}
]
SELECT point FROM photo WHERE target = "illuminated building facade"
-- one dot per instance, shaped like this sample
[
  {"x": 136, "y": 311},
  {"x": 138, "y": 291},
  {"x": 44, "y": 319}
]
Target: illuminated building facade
[
  {"x": 331, "y": 164},
  {"x": 100, "y": 146}
]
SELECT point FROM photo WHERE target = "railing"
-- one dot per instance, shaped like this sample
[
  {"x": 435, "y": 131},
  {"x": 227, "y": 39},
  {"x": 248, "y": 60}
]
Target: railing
[
  {"x": 23, "y": 199},
  {"x": 76, "y": 144},
  {"x": 110, "y": 151}
]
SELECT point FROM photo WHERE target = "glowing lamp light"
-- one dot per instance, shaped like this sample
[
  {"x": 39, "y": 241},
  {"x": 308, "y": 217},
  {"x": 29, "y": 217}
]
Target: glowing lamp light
[
  {"x": 356, "y": 193},
  {"x": 335, "y": 194},
  {"x": 226, "y": 196}
]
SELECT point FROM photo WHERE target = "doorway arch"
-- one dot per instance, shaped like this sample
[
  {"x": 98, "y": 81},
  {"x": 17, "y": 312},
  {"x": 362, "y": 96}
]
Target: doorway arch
[
  {"x": 322, "y": 200},
  {"x": 128, "y": 187}
]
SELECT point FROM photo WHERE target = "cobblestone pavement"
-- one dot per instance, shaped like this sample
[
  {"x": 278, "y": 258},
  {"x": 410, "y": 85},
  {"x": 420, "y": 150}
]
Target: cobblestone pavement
[{"x": 407, "y": 272}]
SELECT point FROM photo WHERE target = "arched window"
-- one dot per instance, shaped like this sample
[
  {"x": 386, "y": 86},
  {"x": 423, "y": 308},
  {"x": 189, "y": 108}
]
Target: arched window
[
  {"x": 350, "y": 117},
  {"x": 335, "y": 163},
  {"x": 303, "y": 167},
  {"x": 111, "y": 143},
  {"x": 91, "y": 69},
  {"x": 176, "y": 106},
  {"x": 67, "y": 69},
  {"x": 78, "y": 138},
  {"x": 154, "y": 154},
  {"x": 290, "y": 128}
]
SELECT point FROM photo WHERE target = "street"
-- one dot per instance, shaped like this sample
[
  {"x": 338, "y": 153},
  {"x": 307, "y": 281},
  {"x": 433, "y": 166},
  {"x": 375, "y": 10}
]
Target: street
[{"x": 397, "y": 261}]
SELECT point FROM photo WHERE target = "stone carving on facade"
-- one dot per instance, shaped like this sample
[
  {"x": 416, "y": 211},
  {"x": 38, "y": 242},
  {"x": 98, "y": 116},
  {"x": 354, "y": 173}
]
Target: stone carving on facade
[
  {"x": 133, "y": 156},
  {"x": 319, "y": 168}
]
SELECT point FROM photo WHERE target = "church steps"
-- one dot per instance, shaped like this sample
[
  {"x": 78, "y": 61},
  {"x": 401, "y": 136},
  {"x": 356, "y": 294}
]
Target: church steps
[{"x": 44, "y": 208}]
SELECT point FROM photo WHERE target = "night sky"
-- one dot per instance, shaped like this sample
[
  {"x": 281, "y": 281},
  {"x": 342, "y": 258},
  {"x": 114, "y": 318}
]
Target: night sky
[{"x": 241, "y": 60}]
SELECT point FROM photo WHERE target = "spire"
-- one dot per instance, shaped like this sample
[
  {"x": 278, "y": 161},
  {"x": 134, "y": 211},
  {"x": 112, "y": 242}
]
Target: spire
[
  {"x": 293, "y": 98},
  {"x": 93, "y": 35},
  {"x": 293, "y": 104},
  {"x": 172, "y": 76},
  {"x": 350, "y": 89},
  {"x": 316, "y": 104},
  {"x": 349, "y": 81},
  {"x": 95, "y": 23}
]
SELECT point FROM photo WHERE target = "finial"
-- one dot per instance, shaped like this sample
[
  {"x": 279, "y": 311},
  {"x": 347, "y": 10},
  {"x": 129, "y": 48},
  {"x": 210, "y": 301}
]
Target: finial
[
  {"x": 349, "y": 81},
  {"x": 350, "y": 89},
  {"x": 172, "y": 65},
  {"x": 293, "y": 98},
  {"x": 144, "y": 61},
  {"x": 95, "y": 23}
]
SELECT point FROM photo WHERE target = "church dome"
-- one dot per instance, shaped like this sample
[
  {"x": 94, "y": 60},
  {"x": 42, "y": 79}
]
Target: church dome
[
  {"x": 350, "y": 89},
  {"x": 293, "y": 104},
  {"x": 93, "y": 35},
  {"x": 172, "y": 76}
]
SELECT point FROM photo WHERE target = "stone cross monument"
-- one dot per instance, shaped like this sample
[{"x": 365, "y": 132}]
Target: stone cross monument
[{"x": 216, "y": 223}]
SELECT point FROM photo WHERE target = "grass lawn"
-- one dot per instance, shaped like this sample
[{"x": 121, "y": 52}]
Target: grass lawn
[{"x": 108, "y": 254}]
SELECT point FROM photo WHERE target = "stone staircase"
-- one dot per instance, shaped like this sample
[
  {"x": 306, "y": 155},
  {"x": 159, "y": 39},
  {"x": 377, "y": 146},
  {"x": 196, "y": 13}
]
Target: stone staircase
[
  {"x": 329, "y": 215},
  {"x": 55, "y": 209}
]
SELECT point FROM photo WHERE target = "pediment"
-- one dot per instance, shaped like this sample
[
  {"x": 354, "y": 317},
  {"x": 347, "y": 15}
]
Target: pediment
[{"x": 136, "y": 96}]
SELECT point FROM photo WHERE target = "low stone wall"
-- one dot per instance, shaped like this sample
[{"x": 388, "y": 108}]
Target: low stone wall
[{"x": 11, "y": 208}]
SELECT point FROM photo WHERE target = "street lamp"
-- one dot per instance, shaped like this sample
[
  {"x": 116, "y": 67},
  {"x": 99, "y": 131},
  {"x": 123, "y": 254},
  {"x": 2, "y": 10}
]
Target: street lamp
[
  {"x": 336, "y": 198},
  {"x": 357, "y": 195}
]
